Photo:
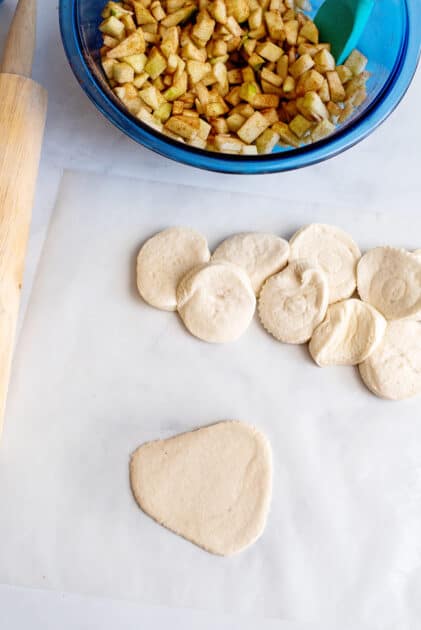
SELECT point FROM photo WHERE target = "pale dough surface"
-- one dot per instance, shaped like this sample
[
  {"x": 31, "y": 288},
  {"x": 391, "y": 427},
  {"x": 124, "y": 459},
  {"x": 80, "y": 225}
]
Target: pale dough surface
[
  {"x": 334, "y": 251},
  {"x": 350, "y": 333},
  {"x": 261, "y": 255},
  {"x": 390, "y": 280},
  {"x": 216, "y": 301},
  {"x": 393, "y": 371},
  {"x": 162, "y": 262},
  {"x": 212, "y": 486},
  {"x": 294, "y": 302}
]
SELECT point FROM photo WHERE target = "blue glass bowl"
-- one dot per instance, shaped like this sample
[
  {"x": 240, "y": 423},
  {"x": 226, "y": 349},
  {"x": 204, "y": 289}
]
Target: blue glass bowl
[{"x": 392, "y": 42}]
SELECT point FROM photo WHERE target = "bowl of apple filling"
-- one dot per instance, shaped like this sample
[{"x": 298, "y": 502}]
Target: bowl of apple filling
[{"x": 238, "y": 86}]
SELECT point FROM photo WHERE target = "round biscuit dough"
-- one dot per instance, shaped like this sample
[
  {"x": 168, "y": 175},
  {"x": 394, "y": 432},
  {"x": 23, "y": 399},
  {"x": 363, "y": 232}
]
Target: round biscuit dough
[
  {"x": 334, "y": 251},
  {"x": 294, "y": 302},
  {"x": 393, "y": 371},
  {"x": 260, "y": 255},
  {"x": 163, "y": 261},
  {"x": 212, "y": 486},
  {"x": 390, "y": 280},
  {"x": 350, "y": 333},
  {"x": 216, "y": 301}
]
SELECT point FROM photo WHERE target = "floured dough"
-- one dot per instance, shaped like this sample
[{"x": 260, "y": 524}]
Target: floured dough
[
  {"x": 164, "y": 259},
  {"x": 350, "y": 333},
  {"x": 261, "y": 255},
  {"x": 334, "y": 251},
  {"x": 393, "y": 371},
  {"x": 294, "y": 302},
  {"x": 211, "y": 486},
  {"x": 216, "y": 301},
  {"x": 390, "y": 280}
]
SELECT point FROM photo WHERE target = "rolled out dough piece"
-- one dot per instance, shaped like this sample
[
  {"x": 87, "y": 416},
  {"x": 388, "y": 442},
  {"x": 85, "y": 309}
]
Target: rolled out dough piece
[
  {"x": 212, "y": 486},
  {"x": 162, "y": 262},
  {"x": 350, "y": 333},
  {"x": 294, "y": 302},
  {"x": 390, "y": 280},
  {"x": 334, "y": 251},
  {"x": 393, "y": 371},
  {"x": 216, "y": 301},
  {"x": 260, "y": 255}
]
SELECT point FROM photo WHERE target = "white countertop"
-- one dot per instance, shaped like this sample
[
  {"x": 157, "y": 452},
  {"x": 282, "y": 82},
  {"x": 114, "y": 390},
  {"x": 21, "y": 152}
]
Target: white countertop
[{"x": 381, "y": 174}]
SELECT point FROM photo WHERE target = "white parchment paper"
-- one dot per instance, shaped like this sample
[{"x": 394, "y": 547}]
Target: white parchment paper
[{"x": 97, "y": 372}]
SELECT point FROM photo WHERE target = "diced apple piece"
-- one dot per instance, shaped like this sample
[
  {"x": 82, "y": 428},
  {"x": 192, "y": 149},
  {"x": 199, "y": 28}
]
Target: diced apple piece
[
  {"x": 235, "y": 76},
  {"x": 143, "y": 15},
  {"x": 191, "y": 51},
  {"x": 204, "y": 129},
  {"x": 267, "y": 141},
  {"x": 322, "y": 129},
  {"x": 234, "y": 96},
  {"x": 324, "y": 92},
  {"x": 300, "y": 125},
  {"x": 178, "y": 89},
  {"x": 265, "y": 101},
  {"x": 129, "y": 24},
  {"x": 157, "y": 11},
  {"x": 110, "y": 42},
  {"x": 183, "y": 126},
  {"x": 137, "y": 62},
  {"x": 196, "y": 70},
  {"x": 123, "y": 73},
  {"x": 146, "y": 117},
  {"x": 235, "y": 121},
  {"x": 134, "y": 44},
  {"x": 204, "y": 27},
  {"x": 310, "y": 32},
  {"x": 356, "y": 62},
  {"x": 108, "y": 65},
  {"x": 344, "y": 74},
  {"x": 218, "y": 11},
  {"x": 275, "y": 25},
  {"x": 270, "y": 114},
  {"x": 197, "y": 142},
  {"x": 240, "y": 9},
  {"x": 181, "y": 15},
  {"x": 248, "y": 91},
  {"x": 213, "y": 110},
  {"x": 115, "y": 9},
  {"x": 113, "y": 27},
  {"x": 252, "y": 128},
  {"x": 312, "y": 107},
  {"x": 291, "y": 32},
  {"x": 256, "y": 18},
  {"x": 234, "y": 27},
  {"x": 337, "y": 91},
  {"x": 156, "y": 64},
  {"x": 325, "y": 61},
  {"x": 285, "y": 134},
  {"x": 163, "y": 112},
  {"x": 228, "y": 144},
  {"x": 152, "y": 97},
  {"x": 303, "y": 63},
  {"x": 310, "y": 81},
  {"x": 170, "y": 42},
  {"x": 140, "y": 80},
  {"x": 282, "y": 67},
  {"x": 269, "y": 51},
  {"x": 249, "y": 149},
  {"x": 288, "y": 85}
]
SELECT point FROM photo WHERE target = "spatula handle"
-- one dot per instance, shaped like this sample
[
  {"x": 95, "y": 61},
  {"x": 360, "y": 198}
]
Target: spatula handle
[{"x": 23, "y": 106}]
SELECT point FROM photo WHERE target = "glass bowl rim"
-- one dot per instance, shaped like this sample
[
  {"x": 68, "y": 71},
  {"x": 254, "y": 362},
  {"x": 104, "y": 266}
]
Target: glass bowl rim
[{"x": 383, "y": 105}]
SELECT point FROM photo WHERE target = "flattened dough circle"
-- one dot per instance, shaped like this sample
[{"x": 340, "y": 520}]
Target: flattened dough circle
[
  {"x": 260, "y": 255},
  {"x": 294, "y": 302},
  {"x": 350, "y": 333},
  {"x": 390, "y": 280},
  {"x": 334, "y": 251},
  {"x": 163, "y": 261},
  {"x": 393, "y": 371},
  {"x": 212, "y": 486},
  {"x": 216, "y": 302}
]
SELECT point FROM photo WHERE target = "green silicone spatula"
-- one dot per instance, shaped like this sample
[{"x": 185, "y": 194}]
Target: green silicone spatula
[{"x": 342, "y": 22}]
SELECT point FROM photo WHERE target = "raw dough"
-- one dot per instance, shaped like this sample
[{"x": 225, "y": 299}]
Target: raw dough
[
  {"x": 164, "y": 259},
  {"x": 390, "y": 280},
  {"x": 334, "y": 251},
  {"x": 261, "y": 255},
  {"x": 294, "y": 302},
  {"x": 393, "y": 371},
  {"x": 216, "y": 301},
  {"x": 211, "y": 486},
  {"x": 350, "y": 333}
]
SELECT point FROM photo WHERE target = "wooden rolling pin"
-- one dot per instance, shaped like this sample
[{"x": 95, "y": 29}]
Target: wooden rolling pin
[{"x": 23, "y": 108}]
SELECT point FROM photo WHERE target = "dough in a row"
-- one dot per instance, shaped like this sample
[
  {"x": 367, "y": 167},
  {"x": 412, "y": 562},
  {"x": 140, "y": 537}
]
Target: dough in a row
[
  {"x": 332, "y": 250},
  {"x": 216, "y": 301},
  {"x": 349, "y": 334},
  {"x": 260, "y": 255},
  {"x": 163, "y": 261},
  {"x": 293, "y": 302}
]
